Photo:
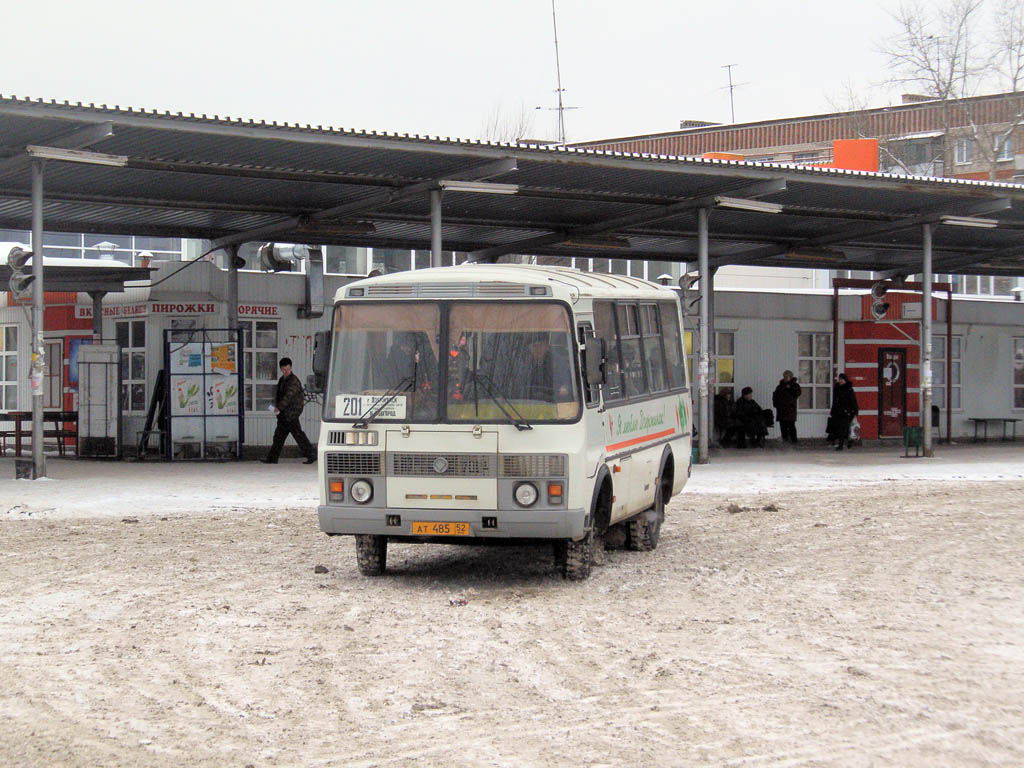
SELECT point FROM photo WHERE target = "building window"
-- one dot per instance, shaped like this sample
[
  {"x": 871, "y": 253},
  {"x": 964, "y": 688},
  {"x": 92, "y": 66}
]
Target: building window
[
  {"x": 725, "y": 361},
  {"x": 259, "y": 339},
  {"x": 723, "y": 376},
  {"x": 814, "y": 370},
  {"x": 1003, "y": 146},
  {"x": 131, "y": 338},
  {"x": 963, "y": 150},
  {"x": 939, "y": 372},
  {"x": 8, "y": 367},
  {"x": 1018, "y": 373}
]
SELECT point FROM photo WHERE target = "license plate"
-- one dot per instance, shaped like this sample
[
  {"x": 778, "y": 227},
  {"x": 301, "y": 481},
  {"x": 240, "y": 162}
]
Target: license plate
[{"x": 420, "y": 528}]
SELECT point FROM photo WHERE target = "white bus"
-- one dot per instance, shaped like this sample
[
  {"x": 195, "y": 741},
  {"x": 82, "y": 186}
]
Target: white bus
[{"x": 486, "y": 402}]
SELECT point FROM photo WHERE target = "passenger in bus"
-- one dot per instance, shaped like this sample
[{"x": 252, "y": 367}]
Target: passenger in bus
[
  {"x": 547, "y": 376},
  {"x": 750, "y": 416}
]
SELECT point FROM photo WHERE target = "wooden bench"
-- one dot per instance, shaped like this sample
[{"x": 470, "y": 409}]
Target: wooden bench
[
  {"x": 983, "y": 421},
  {"x": 61, "y": 426}
]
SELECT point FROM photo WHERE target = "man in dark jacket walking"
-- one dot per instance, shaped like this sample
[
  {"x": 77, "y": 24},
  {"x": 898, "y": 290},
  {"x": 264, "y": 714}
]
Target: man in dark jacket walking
[
  {"x": 785, "y": 399},
  {"x": 288, "y": 405},
  {"x": 844, "y": 411}
]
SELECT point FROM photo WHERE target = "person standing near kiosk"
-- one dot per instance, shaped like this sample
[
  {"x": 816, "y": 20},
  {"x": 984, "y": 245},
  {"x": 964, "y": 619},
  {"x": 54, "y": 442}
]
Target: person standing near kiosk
[{"x": 288, "y": 404}]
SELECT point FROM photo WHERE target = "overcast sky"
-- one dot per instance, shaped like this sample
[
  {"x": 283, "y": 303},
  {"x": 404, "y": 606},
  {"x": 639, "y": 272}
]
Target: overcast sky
[{"x": 442, "y": 67}]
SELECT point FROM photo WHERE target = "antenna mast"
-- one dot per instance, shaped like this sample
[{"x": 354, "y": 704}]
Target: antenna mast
[
  {"x": 558, "y": 72},
  {"x": 731, "y": 87}
]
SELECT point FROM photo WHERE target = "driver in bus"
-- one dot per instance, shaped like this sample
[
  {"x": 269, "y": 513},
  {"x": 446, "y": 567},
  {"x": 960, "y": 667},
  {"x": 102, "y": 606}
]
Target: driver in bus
[
  {"x": 547, "y": 377},
  {"x": 402, "y": 361}
]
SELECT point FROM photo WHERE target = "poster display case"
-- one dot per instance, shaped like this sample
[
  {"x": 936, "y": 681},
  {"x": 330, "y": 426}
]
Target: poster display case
[{"x": 204, "y": 401}]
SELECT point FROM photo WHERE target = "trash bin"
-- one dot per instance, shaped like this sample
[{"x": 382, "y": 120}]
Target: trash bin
[{"x": 912, "y": 438}]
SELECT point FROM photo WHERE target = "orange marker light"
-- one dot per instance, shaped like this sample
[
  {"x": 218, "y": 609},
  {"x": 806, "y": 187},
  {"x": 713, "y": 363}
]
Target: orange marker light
[
  {"x": 337, "y": 486},
  {"x": 616, "y": 468},
  {"x": 555, "y": 489}
]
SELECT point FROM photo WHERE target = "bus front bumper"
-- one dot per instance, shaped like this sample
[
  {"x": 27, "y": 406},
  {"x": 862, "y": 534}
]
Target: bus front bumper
[{"x": 507, "y": 523}]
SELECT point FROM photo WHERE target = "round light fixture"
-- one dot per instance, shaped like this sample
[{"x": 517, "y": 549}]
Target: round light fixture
[
  {"x": 362, "y": 491},
  {"x": 526, "y": 494}
]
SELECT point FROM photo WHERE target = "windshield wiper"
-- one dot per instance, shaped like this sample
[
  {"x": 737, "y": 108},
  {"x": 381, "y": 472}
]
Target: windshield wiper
[
  {"x": 374, "y": 410},
  {"x": 491, "y": 389}
]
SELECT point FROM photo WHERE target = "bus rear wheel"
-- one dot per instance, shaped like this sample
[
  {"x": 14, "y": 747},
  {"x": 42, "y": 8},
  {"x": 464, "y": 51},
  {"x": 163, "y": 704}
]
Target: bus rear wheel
[
  {"x": 645, "y": 528},
  {"x": 371, "y": 554}
]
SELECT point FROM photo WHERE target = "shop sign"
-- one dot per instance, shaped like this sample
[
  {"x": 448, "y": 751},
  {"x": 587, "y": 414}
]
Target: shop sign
[
  {"x": 183, "y": 308},
  {"x": 114, "y": 310},
  {"x": 258, "y": 310}
]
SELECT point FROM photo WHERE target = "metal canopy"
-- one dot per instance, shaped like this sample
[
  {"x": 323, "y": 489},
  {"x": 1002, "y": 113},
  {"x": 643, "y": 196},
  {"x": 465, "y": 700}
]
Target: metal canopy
[
  {"x": 84, "y": 278},
  {"x": 232, "y": 180}
]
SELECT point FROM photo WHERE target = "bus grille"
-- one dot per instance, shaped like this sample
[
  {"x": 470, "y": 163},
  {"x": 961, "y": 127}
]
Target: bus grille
[
  {"x": 455, "y": 464},
  {"x": 353, "y": 463},
  {"x": 533, "y": 465}
]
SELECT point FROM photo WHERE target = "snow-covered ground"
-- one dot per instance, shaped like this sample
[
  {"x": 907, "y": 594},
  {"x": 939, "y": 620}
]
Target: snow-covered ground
[
  {"x": 83, "y": 488},
  {"x": 803, "y": 608}
]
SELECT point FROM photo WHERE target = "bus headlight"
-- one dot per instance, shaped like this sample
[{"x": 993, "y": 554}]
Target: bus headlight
[
  {"x": 362, "y": 491},
  {"x": 526, "y": 494}
]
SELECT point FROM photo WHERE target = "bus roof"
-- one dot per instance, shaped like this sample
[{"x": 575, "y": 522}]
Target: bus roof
[{"x": 502, "y": 281}]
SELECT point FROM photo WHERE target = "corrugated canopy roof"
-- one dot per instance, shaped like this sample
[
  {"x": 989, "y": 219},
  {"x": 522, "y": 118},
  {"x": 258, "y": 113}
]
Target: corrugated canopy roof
[{"x": 230, "y": 179}]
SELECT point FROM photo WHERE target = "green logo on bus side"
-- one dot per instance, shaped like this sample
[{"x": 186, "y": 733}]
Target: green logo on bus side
[{"x": 641, "y": 422}]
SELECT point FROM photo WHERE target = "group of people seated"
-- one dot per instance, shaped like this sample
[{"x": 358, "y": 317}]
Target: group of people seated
[{"x": 741, "y": 421}]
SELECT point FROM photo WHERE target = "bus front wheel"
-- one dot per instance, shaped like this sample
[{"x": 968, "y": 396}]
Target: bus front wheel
[
  {"x": 576, "y": 557},
  {"x": 371, "y": 554}
]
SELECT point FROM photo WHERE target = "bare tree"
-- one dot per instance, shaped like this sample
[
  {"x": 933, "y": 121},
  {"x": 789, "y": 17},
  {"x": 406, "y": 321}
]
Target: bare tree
[
  {"x": 508, "y": 126},
  {"x": 931, "y": 51},
  {"x": 934, "y": 51},
  {"x": 1007, "y": 55}
]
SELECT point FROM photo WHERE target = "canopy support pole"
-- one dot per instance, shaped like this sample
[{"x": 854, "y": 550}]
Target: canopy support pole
[
  {"x": 435, "y": 227},
  {"x": 705, "y": 310},
  {"x": 926, "y": 339},
  {"x": 36, "y": 373},
  {"x": 231, "y": 251}
]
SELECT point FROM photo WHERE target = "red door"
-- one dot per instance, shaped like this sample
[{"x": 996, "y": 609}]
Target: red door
[{"x": 892, "y": 391}]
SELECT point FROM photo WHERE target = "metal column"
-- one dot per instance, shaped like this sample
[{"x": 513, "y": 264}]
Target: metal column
[
  {"x": 97, "y": 315},
  {"x": 231, "y": 252},
  {"x": 926, "y": 339},
  {"x": 705, "y": 307},
  {"x": 435, "y": 227},
  {"x": 36, "y": 373}
]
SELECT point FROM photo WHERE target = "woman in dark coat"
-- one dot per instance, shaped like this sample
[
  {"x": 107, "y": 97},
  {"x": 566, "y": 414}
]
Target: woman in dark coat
[
  {"x": 785, "y": 399},
  {"x": 844, "y": 410}
]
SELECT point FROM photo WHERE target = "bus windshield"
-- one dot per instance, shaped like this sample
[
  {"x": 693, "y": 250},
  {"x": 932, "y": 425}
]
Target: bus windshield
[{"x": 501, "y": 362}]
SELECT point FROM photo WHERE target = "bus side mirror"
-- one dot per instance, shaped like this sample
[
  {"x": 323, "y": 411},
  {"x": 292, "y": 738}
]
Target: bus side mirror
[
  {"x": 594, "y": 358},
  {"x": 321, "y": 359}
]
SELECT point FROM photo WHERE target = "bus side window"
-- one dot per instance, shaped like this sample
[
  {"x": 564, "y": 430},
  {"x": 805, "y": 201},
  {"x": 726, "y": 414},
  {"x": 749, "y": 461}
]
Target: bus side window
[
  {"x": 654, "y": 358},
  {"x": 585, "y": 333},
  {"x": 604, "y": 328},
  {"x": 673, "y": 344},
  {"x": 629, "y": 340}
]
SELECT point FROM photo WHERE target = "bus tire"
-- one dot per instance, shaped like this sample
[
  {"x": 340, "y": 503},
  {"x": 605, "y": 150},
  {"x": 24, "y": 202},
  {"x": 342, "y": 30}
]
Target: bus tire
[
  {"x": 371, "y": 554},
  {"x": 645, "y": 528},
  {"x": 579, "y": 558}
]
